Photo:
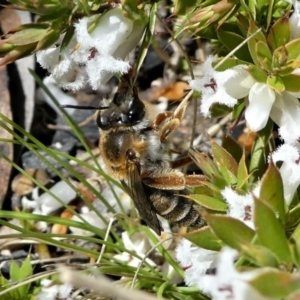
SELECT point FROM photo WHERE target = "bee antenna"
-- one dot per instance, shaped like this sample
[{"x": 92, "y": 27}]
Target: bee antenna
[{"x": 84, "y": 107}]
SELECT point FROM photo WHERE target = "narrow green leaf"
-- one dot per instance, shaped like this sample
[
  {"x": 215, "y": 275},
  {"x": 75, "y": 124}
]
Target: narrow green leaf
[
  {"x": 48, "y": 40},
  {"x": 271, "y": 191},
  {"x": 209, "y": 202},
  {"x": 27, "y": 36},
  {"x": 260, "y": 150},
  {"x": 270, "y": 231},
  {"x": 147, "y": 38},
  {"x": 231, "y": 231},
  {"x": 293, "y": 217},
  {"x": 242, "y": 174},
  {"x": 204, "y": 238}
]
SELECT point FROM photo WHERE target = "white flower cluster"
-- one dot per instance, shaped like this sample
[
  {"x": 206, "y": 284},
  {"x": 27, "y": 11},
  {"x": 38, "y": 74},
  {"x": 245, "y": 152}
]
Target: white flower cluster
[
  {"x": 52, "y": 291},
  {"x": 263, "y": 103},
  {"x": 224, "y": 282},
  {"x": 93, "y": 57},
  {"x": 232, "y": 84}
]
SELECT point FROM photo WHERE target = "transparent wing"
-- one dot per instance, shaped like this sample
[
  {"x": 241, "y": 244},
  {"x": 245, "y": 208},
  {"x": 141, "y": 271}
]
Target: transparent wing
[{"x": 135, "y": 190}]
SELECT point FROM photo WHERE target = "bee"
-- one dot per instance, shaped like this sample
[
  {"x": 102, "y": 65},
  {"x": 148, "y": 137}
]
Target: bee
[{"x": 134, "y": 151}]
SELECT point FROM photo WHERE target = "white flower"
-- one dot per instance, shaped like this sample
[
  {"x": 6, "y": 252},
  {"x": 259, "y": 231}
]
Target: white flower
[
  {"x": 295, "y": 20},
  {"x": 216, "y": 87},
  {"x": 94, "y": 57},
  {"x": 228, "y": 283},
  {"x": 264, "y": 102},
  {"x": 289, "y": 170},
  {"x": 194, "y": 260},
  {"x": 240, "y": 207},
  {"x": 286, "y": 114},
  {"x": 261, "y": 100},
  {"x": 283, "y": 109},
  {"x": 235, "y": 83},
  {"x": 52, "y": 291},
  {"x": 91, "y": 218},
  {"x": 138, "y": 243}
]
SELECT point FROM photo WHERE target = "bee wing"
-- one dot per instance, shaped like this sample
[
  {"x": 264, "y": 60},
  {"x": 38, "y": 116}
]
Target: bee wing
[{"x": 136, "y": 191}]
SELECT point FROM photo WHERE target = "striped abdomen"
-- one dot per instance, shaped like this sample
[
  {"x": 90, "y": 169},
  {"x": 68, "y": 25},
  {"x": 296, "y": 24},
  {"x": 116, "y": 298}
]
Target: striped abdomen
[{"x": 178, "y": 210}]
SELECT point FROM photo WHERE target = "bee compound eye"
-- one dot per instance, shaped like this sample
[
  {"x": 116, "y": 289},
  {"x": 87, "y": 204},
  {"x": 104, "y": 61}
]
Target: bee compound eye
[{"x": 137, "y": 110}]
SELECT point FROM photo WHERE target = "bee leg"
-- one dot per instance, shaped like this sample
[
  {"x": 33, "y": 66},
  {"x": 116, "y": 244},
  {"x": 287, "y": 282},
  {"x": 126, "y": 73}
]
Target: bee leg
[
  {"x": 175, "y": 120},
  {"x": 183, "y": 161},
  {"x": 161, "y": 118},
  {"x": 172, "y": 180}
]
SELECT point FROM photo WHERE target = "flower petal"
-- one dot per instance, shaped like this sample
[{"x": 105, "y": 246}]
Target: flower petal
[
  {"x": 286, "y": 114},
  {"x": 261, "y": 100},
  {"x": 289, "y": 170},
  {"x": 240, "y": 84}
]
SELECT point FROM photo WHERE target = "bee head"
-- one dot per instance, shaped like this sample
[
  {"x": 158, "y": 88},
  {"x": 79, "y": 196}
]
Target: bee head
[{"x": 126, "y": 109}]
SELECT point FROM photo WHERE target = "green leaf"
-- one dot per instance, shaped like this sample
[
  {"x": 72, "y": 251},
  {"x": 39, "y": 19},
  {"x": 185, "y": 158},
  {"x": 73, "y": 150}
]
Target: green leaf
[
  {"x": 271, "y": 191},
  {"x": 279, "y": 33},
  {"x": 280, "y": 57},
  {"x": 260, "y": 150},
  {"x": 27, "y": 36},
  {"x": 242, "y": 174},
  {"x": 231, "y": 231},
  {"x": 225, "y": 163},
  {"x": 238, "y": 110},
  {"x": 209, "y": 202},
  {"x": 204, "y": 162},
  {"x": 48, "y": 40},
  {"x": 232, "y": 147},
  {"x": 288, "y": 68},
  {"x": 293, "y": 49},
  {"x": 259, "y": 36},
  {"x": 183, "y": 6},
  {"x": 291, "y": 83},
  {"x": 14, "y": 271},
  {"x": 219, "y": 110},
  {"x": 276, "y": 284},
  {"x": 276, "y": 83},
  {"x": 257, "y": 73},
  {"x": 260, "y": 255},
  {"x": 228, "y": 64},
  {"x": 231, "y": 40},
  {"x": 293, "y": 216},
  {"x": 25, "y": 272},
  {"x": 270, "y": 231},
  {"x": 204, "y": 238},
  {"x": 264, "y": 55}
]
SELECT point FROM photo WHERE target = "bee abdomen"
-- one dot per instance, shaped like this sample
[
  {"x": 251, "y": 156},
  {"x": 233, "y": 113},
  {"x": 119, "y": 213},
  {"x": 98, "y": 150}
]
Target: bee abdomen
[{"x": 178, "y": 210}]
